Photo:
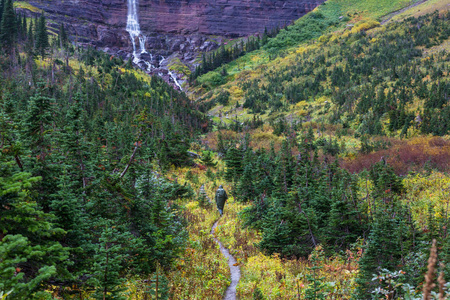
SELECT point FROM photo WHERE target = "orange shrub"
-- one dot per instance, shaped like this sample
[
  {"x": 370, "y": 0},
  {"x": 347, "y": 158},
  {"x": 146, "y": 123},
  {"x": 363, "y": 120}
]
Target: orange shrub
[{"x": 405, "y": 156}]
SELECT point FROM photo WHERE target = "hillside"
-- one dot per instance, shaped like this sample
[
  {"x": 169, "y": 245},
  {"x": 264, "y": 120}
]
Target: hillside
[
  {"x": 330, "y": 137},
  {"x": 352, "y": 82}
]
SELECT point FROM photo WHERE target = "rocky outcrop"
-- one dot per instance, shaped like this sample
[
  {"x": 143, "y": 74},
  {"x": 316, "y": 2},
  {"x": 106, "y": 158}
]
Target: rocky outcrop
[
  {"x": 103, "y": 22},
  {"x": 175, "y": 30}
]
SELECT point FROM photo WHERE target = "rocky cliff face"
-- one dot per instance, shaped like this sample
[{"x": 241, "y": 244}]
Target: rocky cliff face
[
  {"x": 175, "y": 30},
  {"x": 103, "y": 21}
]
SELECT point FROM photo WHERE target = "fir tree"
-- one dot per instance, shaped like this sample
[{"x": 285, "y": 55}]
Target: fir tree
[
  {"x": 62, "y": 36},
  {"x": 113, "y": 248},
  {"x": 207, "y": 159},
  {"x": 8, "y": 26},
  {"x": 29, "y": 252},
  {"x": 245, "y": 189},
  {"x": 42, "y": 43},
  {"x": 2, "y": 6},
  {"x": 233, "y": 161}
]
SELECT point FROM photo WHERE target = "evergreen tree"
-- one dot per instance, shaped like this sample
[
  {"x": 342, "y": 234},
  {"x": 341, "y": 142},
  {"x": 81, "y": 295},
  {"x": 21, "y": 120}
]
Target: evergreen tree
[
  {"x": 24, "y": 27},
  {"x": 37, "y": 123},
  {"x": 207, "y": 159},
  {"x": 233, "y": 161},
  {"x": 39, "y": 136},
  {"x": 29, "y": 251},
  {"x": 42, "y": 43},
  {"x": 2, "y": 6},
  {"x": 115, "y": 246},
  {"x": 62, "y": 36},
  {"x": 8, "y": 26},
  {"x": 387, "y": 246},
  {"x": 245, "y": 189},
  {"x": 173, "y": 147},
  {"x": 29, "y": 47}
]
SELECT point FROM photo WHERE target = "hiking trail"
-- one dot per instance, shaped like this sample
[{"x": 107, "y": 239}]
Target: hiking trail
[{"x": 235, "y": 270}]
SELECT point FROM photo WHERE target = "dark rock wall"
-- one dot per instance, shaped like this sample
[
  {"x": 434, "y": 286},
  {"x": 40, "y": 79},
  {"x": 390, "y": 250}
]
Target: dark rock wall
[{"x": 103, "y": 22}]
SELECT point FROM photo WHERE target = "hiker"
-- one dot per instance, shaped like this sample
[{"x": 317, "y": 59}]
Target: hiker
[{"x": 221, "y": 197}]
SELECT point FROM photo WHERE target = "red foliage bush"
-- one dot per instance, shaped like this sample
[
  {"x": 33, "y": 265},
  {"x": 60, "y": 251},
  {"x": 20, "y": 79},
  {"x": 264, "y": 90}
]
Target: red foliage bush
[{"x": 405, "y": 156}]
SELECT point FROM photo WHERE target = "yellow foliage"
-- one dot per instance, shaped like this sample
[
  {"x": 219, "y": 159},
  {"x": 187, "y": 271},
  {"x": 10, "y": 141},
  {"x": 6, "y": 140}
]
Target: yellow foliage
[
  {"x": 322, "y": 99},
  {"x": 325, "y": 38},
  {"x": 301, "y": 104},
  {"x": 365, "y": 25},
  {"x": 26, "y": 5},
  {"x": 301, "y": 113},
  {"x": 236, "y": 92},
  {"x": 425, "y": 190}
]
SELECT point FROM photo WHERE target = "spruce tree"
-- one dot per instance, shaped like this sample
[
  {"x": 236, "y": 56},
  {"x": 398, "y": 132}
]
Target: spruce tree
[
  {"x": 29, "y": 251},
  {"x": 8, "y": 26},
  {"x": 207, "y": 159},
  {"x": 62, "y": 36},
  {"x": 2, "y": 6},
  {"x": 24, "y": 27},
  {"x": 42, "y": 43},
  {"x": 233, "y": 161}
]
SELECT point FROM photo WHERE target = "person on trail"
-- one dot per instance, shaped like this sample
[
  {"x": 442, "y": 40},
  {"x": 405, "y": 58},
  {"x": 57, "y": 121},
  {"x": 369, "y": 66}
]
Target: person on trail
[{"x": 221, "y": 197}]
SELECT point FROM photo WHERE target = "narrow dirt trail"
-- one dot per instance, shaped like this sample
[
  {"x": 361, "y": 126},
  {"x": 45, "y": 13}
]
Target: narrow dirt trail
[
  {"x": 235, "y": 270},
  {"x": 388, "y": 17}
]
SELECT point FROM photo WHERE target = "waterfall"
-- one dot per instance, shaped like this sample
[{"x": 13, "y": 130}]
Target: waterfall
[
  {"x": 174, "y": 78},
  {"x": 134, "y": 30}
]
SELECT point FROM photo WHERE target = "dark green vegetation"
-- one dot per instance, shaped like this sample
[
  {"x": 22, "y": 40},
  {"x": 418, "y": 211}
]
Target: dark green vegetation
[
  {"x": 378, "y": 83},
  {"x": 86, "y": 139},
  {"x": 82, "y": 205},
  {"x": 299, "y": 201},
  {"x": 227, "y": 54}
]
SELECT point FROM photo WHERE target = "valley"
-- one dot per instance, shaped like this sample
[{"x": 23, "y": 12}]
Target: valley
[{"x": 326, "y": 122}]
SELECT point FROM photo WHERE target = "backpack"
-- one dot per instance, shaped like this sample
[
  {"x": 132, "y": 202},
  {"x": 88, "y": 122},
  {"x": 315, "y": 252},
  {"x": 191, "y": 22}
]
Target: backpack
[{"x": 221, "y": 193}]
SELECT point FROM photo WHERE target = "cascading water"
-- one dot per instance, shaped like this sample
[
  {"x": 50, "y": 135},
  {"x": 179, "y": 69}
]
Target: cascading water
[{"x": 134, "y": 30}]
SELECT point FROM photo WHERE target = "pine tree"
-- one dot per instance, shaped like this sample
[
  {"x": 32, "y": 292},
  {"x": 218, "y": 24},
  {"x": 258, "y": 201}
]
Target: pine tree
[
  {"x": 29, "y": 251},
  {"x": 8, "y": 26},
  {"x": 245, "y": 189},
  {"x": 208, "y": 160},
  {"x": 2, "y": 6},
  {"x": 108, "y": 268},
  {"x": 233, "y": 161},
  {"x": 62, "y": 36},
  {"x": 42, "y": 43}
]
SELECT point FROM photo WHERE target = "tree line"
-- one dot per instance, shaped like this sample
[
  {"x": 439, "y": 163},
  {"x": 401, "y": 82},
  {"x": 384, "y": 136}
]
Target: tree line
[
  {"x": 368, "y": 77},
  {"x": 85, "y": 141},
  {"x": 299, "y": 201}
]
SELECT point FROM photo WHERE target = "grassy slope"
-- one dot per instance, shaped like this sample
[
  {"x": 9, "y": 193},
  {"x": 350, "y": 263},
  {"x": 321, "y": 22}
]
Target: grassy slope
[
  {"x": 352, "y": 11},
  {"x": 252, "y": 65},
  {"x": 423, "y": 9},
  {"x": 202, "y": 273},
  {"x": 278, "y": 278}
]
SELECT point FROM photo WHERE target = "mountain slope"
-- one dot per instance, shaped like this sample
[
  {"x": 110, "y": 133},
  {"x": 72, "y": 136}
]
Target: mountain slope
[{"x": 316, "y": 80}]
